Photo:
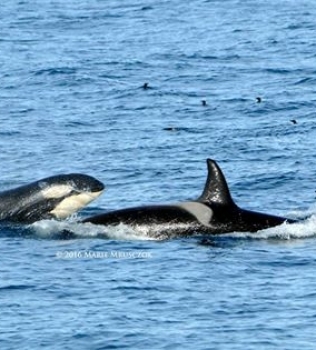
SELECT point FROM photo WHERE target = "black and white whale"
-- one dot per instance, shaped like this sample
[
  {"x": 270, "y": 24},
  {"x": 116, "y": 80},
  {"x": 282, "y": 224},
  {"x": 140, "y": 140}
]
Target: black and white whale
[
  {"x": 214, "y": 212},
  {"x": 55, "y": 197}
]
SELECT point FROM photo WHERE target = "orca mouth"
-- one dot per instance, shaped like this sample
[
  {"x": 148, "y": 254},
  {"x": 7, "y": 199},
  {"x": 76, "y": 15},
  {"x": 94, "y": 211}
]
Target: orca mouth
[{"x": 97, "y": 186}]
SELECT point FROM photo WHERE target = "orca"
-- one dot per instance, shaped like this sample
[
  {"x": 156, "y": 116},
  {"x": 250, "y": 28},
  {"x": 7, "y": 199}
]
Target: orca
[
  {"x": 214, "y": 212},
  {"x": 55, "y": 197}
]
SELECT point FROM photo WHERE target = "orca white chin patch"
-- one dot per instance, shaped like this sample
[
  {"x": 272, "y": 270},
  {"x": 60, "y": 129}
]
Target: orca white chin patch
[
  {"x": 202, "y": 212},
  {"x": 73, "y": 203}
]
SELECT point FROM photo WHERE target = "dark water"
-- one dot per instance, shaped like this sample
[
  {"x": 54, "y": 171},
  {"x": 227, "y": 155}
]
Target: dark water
[{"x": 71, "y": 100}]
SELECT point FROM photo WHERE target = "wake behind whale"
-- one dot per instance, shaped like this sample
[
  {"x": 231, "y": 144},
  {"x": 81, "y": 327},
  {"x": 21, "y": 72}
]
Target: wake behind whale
[{"x": 73, "y": 229}]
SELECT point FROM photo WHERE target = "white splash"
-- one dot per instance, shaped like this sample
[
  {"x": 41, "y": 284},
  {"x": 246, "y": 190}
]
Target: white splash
[
  {"x": 52, "y": 228},
  {"x": 299, "y": 230}
]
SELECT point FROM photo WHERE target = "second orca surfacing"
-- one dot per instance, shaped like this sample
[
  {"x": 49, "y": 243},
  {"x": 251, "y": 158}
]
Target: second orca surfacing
[{"x": 214, "y": 212}]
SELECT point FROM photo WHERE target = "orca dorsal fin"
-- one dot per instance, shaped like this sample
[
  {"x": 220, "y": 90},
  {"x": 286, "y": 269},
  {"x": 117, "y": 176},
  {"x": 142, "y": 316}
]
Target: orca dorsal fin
[{"x": 216, "y": 189}]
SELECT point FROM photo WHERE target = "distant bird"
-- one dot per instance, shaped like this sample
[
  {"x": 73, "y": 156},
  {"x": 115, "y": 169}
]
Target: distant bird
[
  {"x": 204, "y": 103},
  {"x": 145, "y": 86},
  {"x": 170, "y": 129},
  {"x": 293, "y": 121},
  {"x": 258, "y": 99}
]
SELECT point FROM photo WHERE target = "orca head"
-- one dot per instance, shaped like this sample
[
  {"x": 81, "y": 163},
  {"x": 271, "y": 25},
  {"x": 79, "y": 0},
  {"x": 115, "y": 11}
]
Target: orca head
[
  {"x": 53, "y": 197},
  {"x": 69, "y": 193}
]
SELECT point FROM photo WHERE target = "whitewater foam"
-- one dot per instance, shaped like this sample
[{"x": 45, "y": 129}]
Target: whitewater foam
[
  {"x": 303, "y": 229},
  {"x": 71, "y": 228},
  {"x": 55, "y": 229}
]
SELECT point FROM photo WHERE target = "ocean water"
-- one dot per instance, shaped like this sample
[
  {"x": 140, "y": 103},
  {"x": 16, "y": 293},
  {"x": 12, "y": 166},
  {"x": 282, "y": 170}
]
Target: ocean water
[{"x": 72, "y": 100}]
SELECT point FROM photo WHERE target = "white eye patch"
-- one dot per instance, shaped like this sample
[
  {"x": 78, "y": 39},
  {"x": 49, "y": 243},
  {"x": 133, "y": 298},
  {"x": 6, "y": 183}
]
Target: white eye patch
[
  {"x": 56, "y": 191},
  {"x": 201, "y": 211}
]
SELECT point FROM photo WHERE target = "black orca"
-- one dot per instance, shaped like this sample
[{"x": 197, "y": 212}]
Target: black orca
[
  {"x": 214, "y": 212},
  {"x": 54, "y": 197}
]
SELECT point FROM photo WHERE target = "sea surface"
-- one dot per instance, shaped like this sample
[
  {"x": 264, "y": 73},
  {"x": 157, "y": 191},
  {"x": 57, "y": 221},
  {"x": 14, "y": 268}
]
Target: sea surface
[{"x": 72, "y": 99}]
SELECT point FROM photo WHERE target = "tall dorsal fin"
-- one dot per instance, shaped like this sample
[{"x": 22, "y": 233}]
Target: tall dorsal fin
[{"x": 216, "y": 189}]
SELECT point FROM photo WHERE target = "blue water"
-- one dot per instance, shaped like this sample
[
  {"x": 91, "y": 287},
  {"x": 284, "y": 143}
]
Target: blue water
[{"x": 71, "y": 100}]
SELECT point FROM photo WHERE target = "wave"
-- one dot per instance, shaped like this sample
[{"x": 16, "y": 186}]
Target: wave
[
  {"x": 300, "y": 230},
  {"x": 52, "y": 229}
]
